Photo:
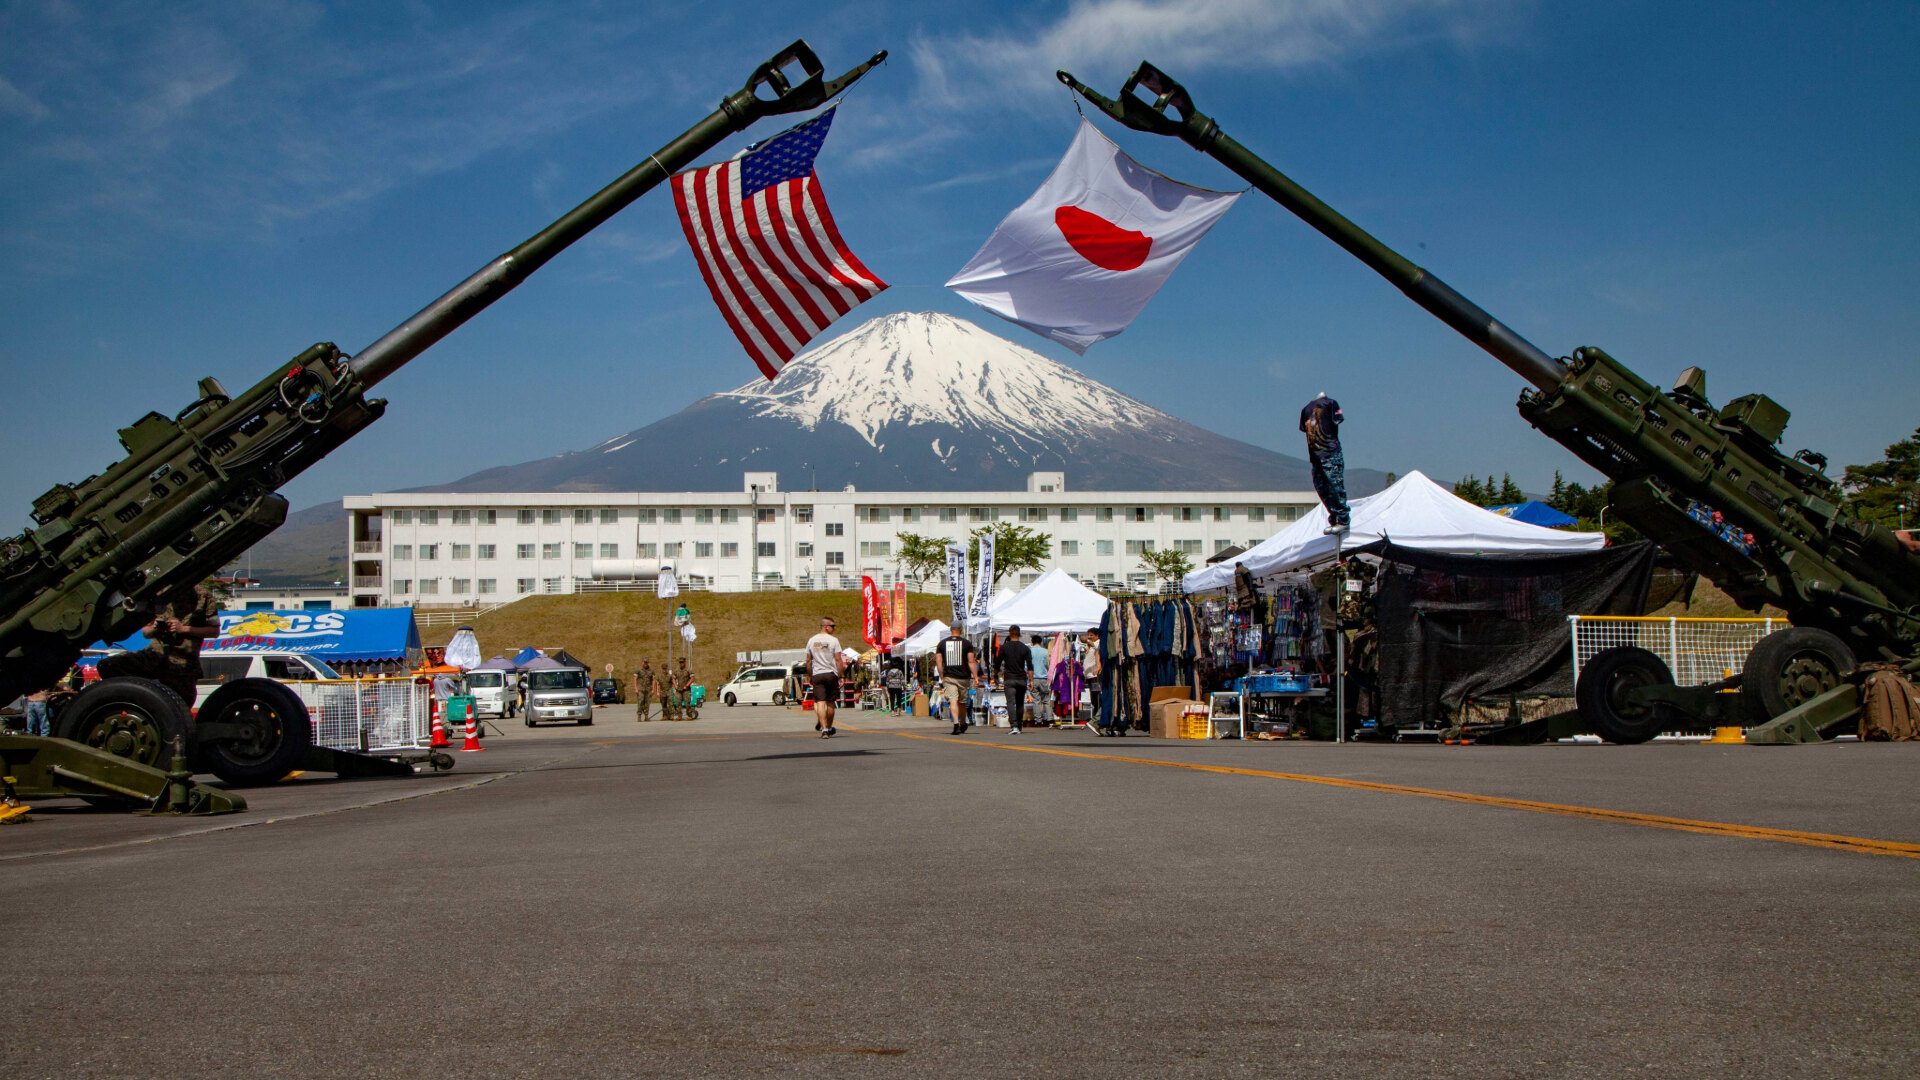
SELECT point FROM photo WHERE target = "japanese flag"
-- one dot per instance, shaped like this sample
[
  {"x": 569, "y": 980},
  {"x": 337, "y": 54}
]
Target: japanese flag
[{"x": 1078, "y": 260}]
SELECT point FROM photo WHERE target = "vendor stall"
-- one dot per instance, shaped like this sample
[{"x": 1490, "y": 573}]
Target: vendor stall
[{"x": 1055, "y": 603}]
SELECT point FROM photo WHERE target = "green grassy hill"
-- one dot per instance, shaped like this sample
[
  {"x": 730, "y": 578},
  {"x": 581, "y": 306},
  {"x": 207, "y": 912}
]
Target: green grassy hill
[{"x": 623, "y": 628}]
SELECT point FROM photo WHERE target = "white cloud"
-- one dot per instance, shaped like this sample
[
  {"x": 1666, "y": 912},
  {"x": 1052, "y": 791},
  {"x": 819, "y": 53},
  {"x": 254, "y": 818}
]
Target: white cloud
[{"x": 16, "y": 102}]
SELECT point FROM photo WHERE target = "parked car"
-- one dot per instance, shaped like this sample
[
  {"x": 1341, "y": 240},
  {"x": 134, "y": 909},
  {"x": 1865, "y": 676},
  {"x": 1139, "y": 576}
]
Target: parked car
[
  {"x": 558, "y": 694},
  {"x": 609, "y": 692},
  {"x": 219, "y": 667},
  {"x": 756, "y": 685}
]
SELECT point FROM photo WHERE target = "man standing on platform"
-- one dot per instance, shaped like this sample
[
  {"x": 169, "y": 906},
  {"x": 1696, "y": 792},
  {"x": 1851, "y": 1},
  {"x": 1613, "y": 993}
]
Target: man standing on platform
[
  {"x": 643, "y": 690},
  {"x": 1321, "y": 421}
]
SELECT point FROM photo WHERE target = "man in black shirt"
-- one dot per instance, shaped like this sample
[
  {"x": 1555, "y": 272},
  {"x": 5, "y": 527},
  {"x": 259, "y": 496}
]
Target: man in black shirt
[
  {"x": 1321, "y": 421},
  {"x": 1015, "y": 662},
  {"x": 959, "y": 673}
]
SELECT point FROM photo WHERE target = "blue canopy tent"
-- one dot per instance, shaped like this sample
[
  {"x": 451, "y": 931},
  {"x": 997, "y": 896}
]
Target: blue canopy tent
[
  {"x": 352, "y": 635},
  {"x": 1535, "y": 512}
]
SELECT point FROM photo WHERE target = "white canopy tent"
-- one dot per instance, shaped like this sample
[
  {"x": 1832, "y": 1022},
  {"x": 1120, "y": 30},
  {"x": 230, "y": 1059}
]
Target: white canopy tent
[
  {"x": 1416, "y": 513},
  {"x": 922, "y": 642},
  {"x": 998, "y": 601},
  {"x": 1053, "y": 604}
]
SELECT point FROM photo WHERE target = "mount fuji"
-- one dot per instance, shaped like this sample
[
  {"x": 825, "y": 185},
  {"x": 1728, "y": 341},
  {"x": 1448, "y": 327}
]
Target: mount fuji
[{"x": 911, "y": 402}]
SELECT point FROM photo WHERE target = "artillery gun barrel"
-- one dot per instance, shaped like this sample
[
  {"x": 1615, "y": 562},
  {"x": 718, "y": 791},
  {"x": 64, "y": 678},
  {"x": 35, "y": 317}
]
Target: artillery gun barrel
[
  {"x": 494, "y": 280},
  {"x": 1422, "y": 287}
]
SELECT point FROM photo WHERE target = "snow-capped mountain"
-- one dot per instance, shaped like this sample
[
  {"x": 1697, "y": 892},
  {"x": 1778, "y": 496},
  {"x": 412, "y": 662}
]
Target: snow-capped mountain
[{"x": 915, "y": 401}]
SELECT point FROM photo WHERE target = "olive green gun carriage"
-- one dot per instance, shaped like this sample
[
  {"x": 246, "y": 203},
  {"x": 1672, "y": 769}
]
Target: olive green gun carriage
[
  {"x": 1850, "y": 588},
  {"x": 198, "y": 488}
]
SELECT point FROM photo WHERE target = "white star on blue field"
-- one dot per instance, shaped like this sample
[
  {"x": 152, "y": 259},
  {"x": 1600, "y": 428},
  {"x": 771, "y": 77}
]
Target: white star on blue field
[{"x": 207, "y": 189}]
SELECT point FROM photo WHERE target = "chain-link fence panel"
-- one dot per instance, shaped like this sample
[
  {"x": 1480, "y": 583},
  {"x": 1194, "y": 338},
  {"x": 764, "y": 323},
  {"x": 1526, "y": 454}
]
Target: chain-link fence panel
[{"x": 1696, "y": 650}]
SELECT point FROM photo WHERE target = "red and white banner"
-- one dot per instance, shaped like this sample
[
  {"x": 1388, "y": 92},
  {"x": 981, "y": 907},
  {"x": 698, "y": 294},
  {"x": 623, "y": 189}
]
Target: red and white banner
[
  {"x": 1081, "y": 258},
  {"x": 870, "y": 602},
  {"x": 899, "y": 611}
]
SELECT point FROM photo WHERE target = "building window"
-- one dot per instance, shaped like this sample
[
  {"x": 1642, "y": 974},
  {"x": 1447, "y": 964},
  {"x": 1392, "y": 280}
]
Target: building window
[
  {"x": 583, "y": 517},
  {"x": 764, "y": 549},
  {"x": 703, "y": 516},
  {"x": 702, "y": 550},
  {"x": 1103, "y": 579},
  {"x": 486, "y": 517},
  {"x": 729, "y": 515},
  {"x": 1069, "y": 513},
  {"x": 487, "y": 586},
  {"x": 1289, "y": 513},
  {"x": 671, "y": 515},
  {"x": 403, "y": 517},
  {"x": 462, "y": 586},
  {"x": 980, "y": 513},
  {"x": 803, "y": 551},
  {"x": 645, "y": 515},
  {"x": 549, "y": 517},
  {"x": 524, "y": 517},
  {"x": 645, "y": 551},
  {"x": 1026, "y": 580},
  {"x": 1189, "y": 513},
  {"x": 486, "y": 551},
  {"x": 550, "y": 585},
  {"x": 766, "y": 515},
  {"x": 878, "y": 515},
  {"x": 1188, "y": 547},
  {"x": 429, "y": 551},
  {"x": 835, "y": 528},
  {"x": 729, "y": 551},
  {"x": 1220, "y": 514},
  {"x": 429, "y": 586},
  {"x": 1069, "y": 547},
  {"x": 836, "y": 558},
  {"x": 1033, "y": 513},
  {"x": 909, "y": 513},
  {"x": 403, "y": 551},
  {"x": 1137, "y": 581},
  {"x": 1139, "y": 547},
  {"x": 549, "y": 551},
  {"x": 1256, "y": 513},
  {"x": 523, "y": 586},
  {"x": 1103, "y": 513},
  {"x": 1103, "y": 547},
  {"x": 583, "y": 551},
  {"x": 429, "y": 517},
  {"x": 463, "y": 551},
  {"x": 463, "y": 517},
  {"x": 1140, "y": 513},
  {"x": 1221, "y": 545},
  {"x": 949, "y": 513},
  {"x": 609, "y": 516},
  {"x": 609, "y": 551},
  {"x": 670, "y": 551},
  {"x": 523, "y": 551},
  {"x": 876, "y": 549},
  {"x": 402, "y": 587},
  {"x": 803, "y": 514}
]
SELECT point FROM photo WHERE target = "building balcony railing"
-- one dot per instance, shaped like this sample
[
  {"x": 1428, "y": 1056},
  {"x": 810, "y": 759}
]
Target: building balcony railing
[
  {"x": 366, "y": 547},
  {"x": 366, "y": 581}
]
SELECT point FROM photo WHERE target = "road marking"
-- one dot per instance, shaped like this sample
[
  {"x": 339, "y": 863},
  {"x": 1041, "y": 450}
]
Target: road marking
[{"x": 1858, "y": 844}]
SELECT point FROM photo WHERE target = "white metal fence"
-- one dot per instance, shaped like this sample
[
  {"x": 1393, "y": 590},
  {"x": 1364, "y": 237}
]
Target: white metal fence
[
  {"x": 368, "y": 714},
  {"x": 1696, "y": 650}
]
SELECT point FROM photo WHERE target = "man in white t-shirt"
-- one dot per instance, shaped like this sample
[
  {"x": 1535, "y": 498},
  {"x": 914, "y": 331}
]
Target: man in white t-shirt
[{"x": 823, "y": 668}]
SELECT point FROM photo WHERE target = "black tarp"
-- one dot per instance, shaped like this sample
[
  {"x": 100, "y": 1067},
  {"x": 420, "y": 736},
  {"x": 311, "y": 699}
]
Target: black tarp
[{"x": 1454, "y": 627}]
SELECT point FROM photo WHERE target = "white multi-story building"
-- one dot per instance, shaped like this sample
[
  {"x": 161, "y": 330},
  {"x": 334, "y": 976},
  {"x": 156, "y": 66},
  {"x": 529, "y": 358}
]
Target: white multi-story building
[{"x": 481, "y": 549}]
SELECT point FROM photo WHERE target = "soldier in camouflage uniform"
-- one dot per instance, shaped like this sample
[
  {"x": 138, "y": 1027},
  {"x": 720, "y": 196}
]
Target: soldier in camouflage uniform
[
  {"x": 663, "y": 689},
  {"x": 643, "y": 690},
  {"x": 172, "y": 655},
  {"x": 682, "y": 690}
]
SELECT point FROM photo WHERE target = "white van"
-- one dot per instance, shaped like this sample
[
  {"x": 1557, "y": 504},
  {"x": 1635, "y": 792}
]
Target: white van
[
  {"x": 219, "y": 667},
  {"x": 756, "y": 685},
  {"x": 495, "y": 692}
]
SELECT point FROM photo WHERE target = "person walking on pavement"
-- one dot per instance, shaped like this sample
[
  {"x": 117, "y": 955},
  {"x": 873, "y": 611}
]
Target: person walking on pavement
[
  {"x": 1015, "y": 661},
  {"x": 824, "y": 664},
  {"x": 959, "y": 672},
  {"x": 643, "y": 690},
  {"x": 1320, "y": 419},
  {"x": 1042, "y": 686}
]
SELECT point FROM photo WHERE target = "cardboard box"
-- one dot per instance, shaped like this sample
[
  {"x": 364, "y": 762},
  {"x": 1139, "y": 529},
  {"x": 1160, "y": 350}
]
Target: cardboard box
[
  {"x": 1165, "y": 717},
  {"x": 1170, "y": 693}
]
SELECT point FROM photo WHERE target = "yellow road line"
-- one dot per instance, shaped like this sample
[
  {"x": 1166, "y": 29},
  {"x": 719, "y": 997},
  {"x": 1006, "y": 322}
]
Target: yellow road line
[{"x": 1860, "y": 844}]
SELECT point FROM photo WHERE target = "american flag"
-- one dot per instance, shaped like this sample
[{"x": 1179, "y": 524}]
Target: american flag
[{"x": 769, "y": 250}]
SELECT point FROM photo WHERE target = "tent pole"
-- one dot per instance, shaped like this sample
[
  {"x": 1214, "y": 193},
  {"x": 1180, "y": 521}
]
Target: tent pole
[{"x": 1339, "y": 657}]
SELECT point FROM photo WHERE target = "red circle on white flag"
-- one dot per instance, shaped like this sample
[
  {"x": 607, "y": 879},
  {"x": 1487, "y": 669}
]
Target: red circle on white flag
[{"x": 1100, "y": 241}]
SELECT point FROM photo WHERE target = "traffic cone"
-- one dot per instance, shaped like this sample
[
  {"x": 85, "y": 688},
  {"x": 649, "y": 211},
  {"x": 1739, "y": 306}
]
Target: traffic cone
[
  {"x": 473, "y": 736},
  {"x": 440, "y": 740}
]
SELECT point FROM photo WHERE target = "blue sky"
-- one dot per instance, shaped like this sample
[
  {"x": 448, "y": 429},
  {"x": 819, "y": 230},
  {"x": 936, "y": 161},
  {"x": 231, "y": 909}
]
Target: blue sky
[{"x": 208, "y": 188}]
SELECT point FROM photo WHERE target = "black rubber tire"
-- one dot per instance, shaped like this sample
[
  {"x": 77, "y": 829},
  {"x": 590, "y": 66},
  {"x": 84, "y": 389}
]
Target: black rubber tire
[
  {"x": 529, "y": 721},
  {"x": 588, "y": 722},
  {"x": 693, "y": 714},
  {"x": 276, "y": 713},
  {"x": 1789, "y": 667},
  {"x": 779, "y": 698},
  {"x": 128, "y": 717},
  {"x": 728, "y": 700},
  {"x": 1605, "y": 679}
]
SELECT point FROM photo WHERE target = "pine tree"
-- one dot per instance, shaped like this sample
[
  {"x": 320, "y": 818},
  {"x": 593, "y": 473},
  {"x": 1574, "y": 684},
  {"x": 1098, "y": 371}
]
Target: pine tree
[{"x": 1510, "y": 492}]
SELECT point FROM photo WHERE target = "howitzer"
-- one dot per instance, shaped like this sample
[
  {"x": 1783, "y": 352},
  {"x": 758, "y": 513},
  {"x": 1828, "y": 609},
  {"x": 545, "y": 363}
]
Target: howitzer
[
  {"x": 1851, "y": 588},
  {"x": 197, "y": 489}
]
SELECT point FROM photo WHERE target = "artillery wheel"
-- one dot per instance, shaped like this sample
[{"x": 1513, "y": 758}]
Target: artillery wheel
[
  {"x": 275, "y": 732},
  {"x": 1791, "y": 667},
  {"x": 1605, "y": 682},
  {"x": 128, "y": 717}
]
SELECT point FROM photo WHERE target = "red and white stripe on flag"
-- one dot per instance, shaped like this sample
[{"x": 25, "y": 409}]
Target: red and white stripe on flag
[{"x": 774, "y": 260}]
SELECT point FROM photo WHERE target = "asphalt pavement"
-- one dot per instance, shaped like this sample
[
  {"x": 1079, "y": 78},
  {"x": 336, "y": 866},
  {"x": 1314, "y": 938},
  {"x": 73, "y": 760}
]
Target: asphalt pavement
[{"x": 736, "y": 897}]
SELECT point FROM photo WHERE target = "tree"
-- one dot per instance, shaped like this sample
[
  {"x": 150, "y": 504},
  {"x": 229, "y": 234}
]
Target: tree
[
  {"x": 1470, "y": 489},
  {"x": 1015, "y": 548},
  {"x": 1170, "y": 566},
  {"x": 1510, "y": 492},
  {"x": 1876, "y": 492},
  {"x": 921, "y": 557}
]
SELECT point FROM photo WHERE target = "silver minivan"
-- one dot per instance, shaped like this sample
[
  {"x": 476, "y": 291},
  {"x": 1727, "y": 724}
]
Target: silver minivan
[{"x": 558, "y": 694}]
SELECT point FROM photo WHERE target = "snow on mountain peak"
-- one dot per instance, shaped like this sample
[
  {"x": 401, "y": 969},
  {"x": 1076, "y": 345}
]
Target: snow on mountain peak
[{"x": 929, "y": 368}]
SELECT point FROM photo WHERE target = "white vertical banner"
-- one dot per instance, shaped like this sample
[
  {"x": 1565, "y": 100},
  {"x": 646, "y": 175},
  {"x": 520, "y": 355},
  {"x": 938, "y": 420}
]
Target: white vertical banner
[
  {"x": 957, "y": 583},
  {"x": 983, "y": 581}
]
